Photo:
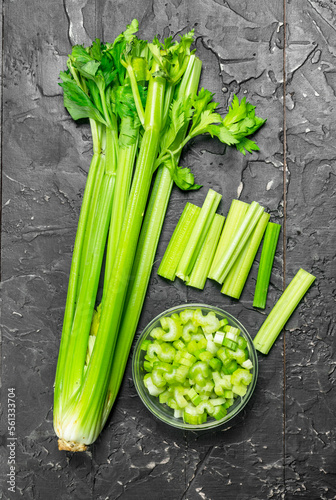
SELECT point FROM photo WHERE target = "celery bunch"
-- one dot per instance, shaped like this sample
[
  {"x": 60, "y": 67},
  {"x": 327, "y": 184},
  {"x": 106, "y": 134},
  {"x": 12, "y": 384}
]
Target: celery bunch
[{"x": 143, "y": 104}]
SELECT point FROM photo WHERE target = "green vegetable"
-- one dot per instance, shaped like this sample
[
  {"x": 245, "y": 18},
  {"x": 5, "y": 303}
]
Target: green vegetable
[
  {"x": 235, "y": 280},
  {"x": 142, "y": 103},
  {"x": 234, "y": 218},
  {"x": 282, "y": 311},
  {"x": 241, "y": 236},
  {"x": 178, "y": 241},
  {"x": 266, "y": 264},
  {"x": 198, "y": 235},
  {"x": 203, "y": 379},
  {"x": 203, "y": 262}
]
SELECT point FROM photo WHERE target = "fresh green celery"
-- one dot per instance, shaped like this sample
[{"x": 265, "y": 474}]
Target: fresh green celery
[
  {"x": 234, "y": 218},
  {"x": 77, "y": 328},
  {"x": 128, "y": 144},
  {"x": 74, "y": 278},
  {"x": 202, "y": 265},
  {"x": 88, "y": 403},
  {"x": 240, "y": 115},
  {"x": 147, "y": 246},
  {"x": 266, "y": 264},
  {"x": 86, "y": 299},
  {"x": 235, "y": 281},
  {"x": 90, "y": 368},
  {"x": 227, "y": 260},
  {"x": 178, "y": 241},
  {"x": 198, "y": 234},
  {"x": 195, "y": 379},
  {"x": 282, "y": 311}
]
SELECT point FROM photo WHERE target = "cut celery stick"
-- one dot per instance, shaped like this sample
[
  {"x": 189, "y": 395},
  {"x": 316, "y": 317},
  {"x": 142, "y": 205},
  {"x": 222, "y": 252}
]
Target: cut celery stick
[
  {"x": 266, "y": 264},
  {"x": 234, "y": 218},
  {"x": 178, "y": 241},
  {"x": 198, "y": 234},
  {"x": 235, "y": 281},
  {"x": 202, "y": 265},
  {"x": 226, "y": 261},
  {"x": 282, "y": 311}
]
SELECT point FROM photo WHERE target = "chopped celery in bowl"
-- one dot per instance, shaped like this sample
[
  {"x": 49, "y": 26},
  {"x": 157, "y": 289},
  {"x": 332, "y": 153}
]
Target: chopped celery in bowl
[{"x": 195, "y": 366}]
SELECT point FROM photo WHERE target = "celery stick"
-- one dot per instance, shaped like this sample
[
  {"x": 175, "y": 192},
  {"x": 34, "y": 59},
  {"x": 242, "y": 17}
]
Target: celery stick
[
  {"x": 282, "y": 311},
  {"x": 266, "y": 264},
  {"x": 128, "y": 145},
  {"x": 202, "y": 265},
  {"x": 226, "y": 261},
  {"x": 198, "y": 234},
  {"x": 178, "y": 241},
  {"x": 234, "y": 282},
  {"x": 147, "y": 245},
  {"x": 234, "y": 218}
]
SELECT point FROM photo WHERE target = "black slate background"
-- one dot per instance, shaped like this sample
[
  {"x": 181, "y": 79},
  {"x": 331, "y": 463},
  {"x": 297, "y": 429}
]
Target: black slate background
[{"x": 283, "y": 445}]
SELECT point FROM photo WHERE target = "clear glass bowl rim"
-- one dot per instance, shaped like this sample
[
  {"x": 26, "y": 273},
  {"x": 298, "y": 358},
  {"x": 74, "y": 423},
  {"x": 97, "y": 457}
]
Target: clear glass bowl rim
[{"x": 159, "y": 410}]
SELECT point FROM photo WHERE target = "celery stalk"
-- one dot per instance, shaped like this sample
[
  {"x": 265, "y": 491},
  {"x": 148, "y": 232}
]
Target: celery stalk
[
  {"x": 266, "y": 264},
  {"x": 226, "y": 261},
  {"x": 76, "y": 349},
  {"x": 178, "y": 241},
  {"x": 98, "y": 190},
  {"x": 234, "y": 218},
  {"x": 198, "y": 234},
  {"x": 92, "y": 366},
  {"x": 235, "y": 281},
  {"x": 128, "y": 144},
  {"x": 202, "y": 265},
  {"x": 84, "y": 419},
  {"x": 74, "y": 278},
  {"x": 147, "y": 246},
  {"x": 282, "y": 311}
]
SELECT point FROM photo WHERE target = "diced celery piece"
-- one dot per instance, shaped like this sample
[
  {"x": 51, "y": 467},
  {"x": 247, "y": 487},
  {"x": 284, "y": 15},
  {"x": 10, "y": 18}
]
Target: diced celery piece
[
  {"x": 247, "y": 364},
  {"x": 163, "y": 397},
  {"x": 219, "y": 412},
  {"x": 186, "y": 315},
  {"x": 179, "y": 393},
  {"x": 151, "y": 387},
  {"x": 194, "y": 396},
  {"x": 215, "y": 364},
  {"x": 239, "y": 389},
  {"x": 157, "y": 333},
  {"x": 148, "y": 366},
  {"x": 241, "y": 376},
  {"x": 205, "y": 355},
  {"x": 200, "y": 372},
  {"x": 158, "y": 373},
  {"x": 228, "y": 395},
  {"x": 145, "y": 344},
  {"x": 242, "y": 342},
  {"x": 194, "y": 418},
  {"x": 171, "y": 402},
  {"x": 179, "y": 345},
  {"x": 230, "y": 344},
  {"x": 218, "y": 401},
  {"x": 172, "y": 328},
  {"x": 178, "y": 413},
  {"x": 219, "y": 337},
  {"x": 211, "y": 347}
]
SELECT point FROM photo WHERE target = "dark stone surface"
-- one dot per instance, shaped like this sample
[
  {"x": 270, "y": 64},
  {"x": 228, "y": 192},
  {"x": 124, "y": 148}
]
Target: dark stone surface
[{"x": 283, "y": 444}]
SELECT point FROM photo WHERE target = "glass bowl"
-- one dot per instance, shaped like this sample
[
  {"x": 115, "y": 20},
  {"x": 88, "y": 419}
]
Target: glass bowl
[{"x": 164, "y": 412}]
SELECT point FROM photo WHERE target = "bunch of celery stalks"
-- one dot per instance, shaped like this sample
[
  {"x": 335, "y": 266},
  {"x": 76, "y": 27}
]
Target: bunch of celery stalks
[
  {"x": 143, "y": 105},
  {"x": 201, "y": 248}
]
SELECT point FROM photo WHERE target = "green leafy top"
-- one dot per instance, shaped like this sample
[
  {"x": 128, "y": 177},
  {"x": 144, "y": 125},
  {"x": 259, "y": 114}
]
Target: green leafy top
[
  {"x": 172, "y": 57},
  {"x": 199, "y": 113},
  {"x": 92, "y": 85}
]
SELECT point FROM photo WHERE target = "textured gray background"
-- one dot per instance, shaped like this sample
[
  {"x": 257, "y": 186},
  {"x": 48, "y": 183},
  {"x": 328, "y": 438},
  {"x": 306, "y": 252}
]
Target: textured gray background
[{"x": 283, "y": 445}]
